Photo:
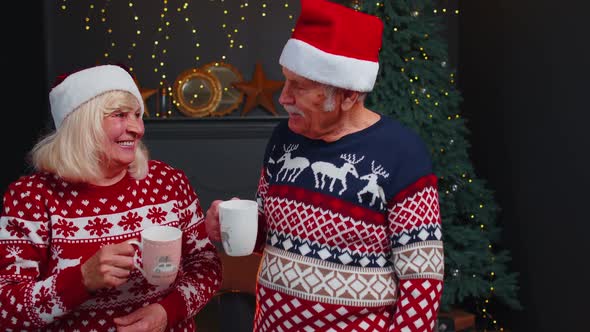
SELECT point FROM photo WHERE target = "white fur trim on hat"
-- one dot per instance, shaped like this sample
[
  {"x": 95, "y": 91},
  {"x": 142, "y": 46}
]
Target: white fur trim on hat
[
  {"x": 332, "y": 69},
  {"x": 86, "y": 84}
]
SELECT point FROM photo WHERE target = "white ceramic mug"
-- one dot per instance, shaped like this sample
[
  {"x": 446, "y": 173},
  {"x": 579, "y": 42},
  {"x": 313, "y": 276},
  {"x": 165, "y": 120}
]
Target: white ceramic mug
[
  {"x": 160, "y": 248},
  {"x": 238, "y": 220}
]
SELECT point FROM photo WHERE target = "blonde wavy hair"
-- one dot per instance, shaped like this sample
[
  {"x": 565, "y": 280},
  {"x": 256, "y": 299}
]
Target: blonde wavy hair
[{"x": 75, "y": 150}]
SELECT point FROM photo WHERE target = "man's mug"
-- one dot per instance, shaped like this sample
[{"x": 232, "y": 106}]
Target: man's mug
[
  {"x": 238, "y": 220},
  {"x": 160, "y": 249}
]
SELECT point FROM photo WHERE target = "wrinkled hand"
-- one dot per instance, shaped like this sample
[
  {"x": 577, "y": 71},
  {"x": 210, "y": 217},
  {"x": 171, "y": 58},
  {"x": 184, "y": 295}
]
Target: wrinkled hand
[
  {"x": 150, "y": 318},
  {"x": 109, "y": 267},
  {"x": 212, "y": 221}
]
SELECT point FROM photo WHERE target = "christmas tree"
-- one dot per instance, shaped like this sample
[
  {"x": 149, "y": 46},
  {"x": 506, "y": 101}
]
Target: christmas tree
[{"x": 417, "y": 87}]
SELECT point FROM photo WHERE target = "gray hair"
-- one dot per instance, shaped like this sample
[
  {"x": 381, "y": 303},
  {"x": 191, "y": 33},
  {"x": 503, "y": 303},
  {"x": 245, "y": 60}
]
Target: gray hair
[{"x": 330, "y": 92}]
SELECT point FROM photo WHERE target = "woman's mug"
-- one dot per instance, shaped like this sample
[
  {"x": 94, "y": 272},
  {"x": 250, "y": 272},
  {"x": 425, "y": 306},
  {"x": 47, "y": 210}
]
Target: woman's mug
[{"x": 160, "y": 249}]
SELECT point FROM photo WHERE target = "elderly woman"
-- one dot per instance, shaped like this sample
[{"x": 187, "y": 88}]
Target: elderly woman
[{"x": 65, "y": 258}]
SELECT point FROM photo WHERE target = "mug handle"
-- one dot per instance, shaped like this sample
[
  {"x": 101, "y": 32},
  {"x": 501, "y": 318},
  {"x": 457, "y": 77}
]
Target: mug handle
[{"x": 136, "y": 257}]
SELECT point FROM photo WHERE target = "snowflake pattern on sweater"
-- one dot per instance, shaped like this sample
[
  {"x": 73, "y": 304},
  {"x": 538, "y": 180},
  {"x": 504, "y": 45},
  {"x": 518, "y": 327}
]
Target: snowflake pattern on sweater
[
  {"x": 351, "y": 233},
  {"x": 49, "y": 228}
]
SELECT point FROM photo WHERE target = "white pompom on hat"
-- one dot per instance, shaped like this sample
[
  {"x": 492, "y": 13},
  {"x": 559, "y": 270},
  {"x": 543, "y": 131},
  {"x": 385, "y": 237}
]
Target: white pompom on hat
[
  {"x": 81, "y": 86},
  {"x": 335, "y": 45}
]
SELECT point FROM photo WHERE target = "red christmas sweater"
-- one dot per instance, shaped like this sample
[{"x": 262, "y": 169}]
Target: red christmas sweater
[
  {"x": 350, "y": 233},
  {"x": 50, "y": 227}
]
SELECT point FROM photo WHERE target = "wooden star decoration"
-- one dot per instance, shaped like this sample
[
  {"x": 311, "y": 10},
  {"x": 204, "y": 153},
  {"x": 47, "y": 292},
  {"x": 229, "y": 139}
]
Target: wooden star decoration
[
  {"x": 145, "y": 94},
  {"x": 259, "y": 91}
]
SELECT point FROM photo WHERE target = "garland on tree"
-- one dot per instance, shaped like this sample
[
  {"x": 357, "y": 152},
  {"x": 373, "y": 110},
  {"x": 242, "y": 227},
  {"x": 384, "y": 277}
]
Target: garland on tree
[{"x": 416, "y": 86}]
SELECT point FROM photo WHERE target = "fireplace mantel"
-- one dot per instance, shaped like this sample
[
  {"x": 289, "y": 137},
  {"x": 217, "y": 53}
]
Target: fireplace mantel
[
  {"x": 209, "y": 128},
  {"x": 222, "y": 157}
]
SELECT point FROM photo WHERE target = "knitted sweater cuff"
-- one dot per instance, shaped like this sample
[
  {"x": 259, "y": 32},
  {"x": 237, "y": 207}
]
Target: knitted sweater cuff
[
  {"x": 173, "y": 312},
  {"x": 70, "y": 287}
]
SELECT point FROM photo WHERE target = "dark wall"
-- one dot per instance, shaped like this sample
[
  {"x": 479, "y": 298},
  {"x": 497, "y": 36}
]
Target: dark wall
[
  {"x": 524, "y": 70},
  {"x": 24, "y": 109},
  {"x": 222, "y": 158}
]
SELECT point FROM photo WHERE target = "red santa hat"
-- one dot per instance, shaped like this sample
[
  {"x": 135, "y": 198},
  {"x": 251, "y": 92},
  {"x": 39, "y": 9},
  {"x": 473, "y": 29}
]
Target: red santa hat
[
  {"x": 334, "y": 45},
  {"x": 83, "y": 85}
]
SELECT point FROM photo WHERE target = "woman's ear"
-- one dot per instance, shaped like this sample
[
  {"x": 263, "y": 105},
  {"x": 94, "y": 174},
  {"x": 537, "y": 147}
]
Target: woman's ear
[{"x": 349, "y": 99}]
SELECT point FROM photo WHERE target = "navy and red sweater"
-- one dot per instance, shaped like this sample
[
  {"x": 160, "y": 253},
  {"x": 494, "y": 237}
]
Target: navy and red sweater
[{"x": 351, "y": 233}]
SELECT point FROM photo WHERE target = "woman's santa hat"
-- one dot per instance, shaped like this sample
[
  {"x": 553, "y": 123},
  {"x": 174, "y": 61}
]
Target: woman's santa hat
[
  {"x": 334, "y": 45},
  {"x": 83, "y": 85}
]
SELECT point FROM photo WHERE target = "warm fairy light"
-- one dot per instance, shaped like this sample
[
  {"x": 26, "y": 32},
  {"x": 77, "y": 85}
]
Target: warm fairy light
[
  {"x": 98, "y": 20},
  {"x": 163, "y": 32}
]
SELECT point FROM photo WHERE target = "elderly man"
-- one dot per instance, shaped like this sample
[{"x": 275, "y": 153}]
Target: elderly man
[{"x": 349, "y": 220}]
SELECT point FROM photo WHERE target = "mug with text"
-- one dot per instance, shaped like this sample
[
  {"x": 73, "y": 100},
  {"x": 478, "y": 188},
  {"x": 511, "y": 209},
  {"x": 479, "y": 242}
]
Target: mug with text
[
  {"x": 160, "y": 249},
  {"x": 238, "y": 220}
]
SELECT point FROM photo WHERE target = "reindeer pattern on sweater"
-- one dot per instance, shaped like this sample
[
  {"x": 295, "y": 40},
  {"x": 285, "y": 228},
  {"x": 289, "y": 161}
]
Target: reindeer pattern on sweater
[{"x": 352, "y": 233}]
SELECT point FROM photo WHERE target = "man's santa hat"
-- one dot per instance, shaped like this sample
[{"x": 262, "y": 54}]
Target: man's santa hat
[
  {"x": 334, "y": 45},
  {"x": 83, "y": 85}
]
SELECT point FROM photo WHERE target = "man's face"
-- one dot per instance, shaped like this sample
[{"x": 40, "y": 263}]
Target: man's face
[{"x": 305, "y": 101}]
